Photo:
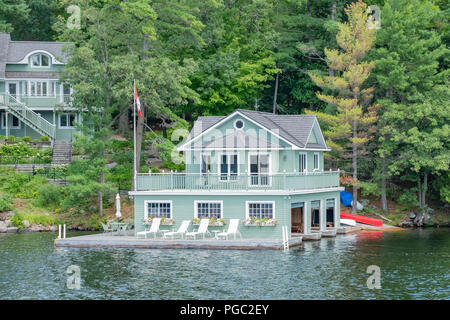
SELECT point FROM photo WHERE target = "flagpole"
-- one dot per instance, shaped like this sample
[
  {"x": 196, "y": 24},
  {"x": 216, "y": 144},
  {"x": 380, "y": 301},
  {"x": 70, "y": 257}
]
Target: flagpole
[{"x": 134, "y": 134}]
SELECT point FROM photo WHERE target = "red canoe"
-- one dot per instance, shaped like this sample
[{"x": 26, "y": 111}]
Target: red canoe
[{"x": 362, "y": 219}]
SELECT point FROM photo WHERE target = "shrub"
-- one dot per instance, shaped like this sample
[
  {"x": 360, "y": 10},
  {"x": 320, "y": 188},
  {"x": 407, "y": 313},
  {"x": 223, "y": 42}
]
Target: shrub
[
  {"x": 27, "y": 139},
  {"x": 49, "y": 195},
  {"x": 17, "y": 220},
  {"x": 44, "y": 138},
  {"x": 11, "y": 139},
  {"x": 5, "y": 203},
  {"x": 42, "y": 219}
]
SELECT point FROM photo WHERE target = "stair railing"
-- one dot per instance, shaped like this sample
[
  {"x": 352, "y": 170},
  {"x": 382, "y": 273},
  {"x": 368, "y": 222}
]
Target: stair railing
[{"x": 21, "y": 111}]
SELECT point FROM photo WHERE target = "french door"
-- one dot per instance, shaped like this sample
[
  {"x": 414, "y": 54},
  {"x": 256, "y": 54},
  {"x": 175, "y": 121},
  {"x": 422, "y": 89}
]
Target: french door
[{"x": 259, "y": 169}]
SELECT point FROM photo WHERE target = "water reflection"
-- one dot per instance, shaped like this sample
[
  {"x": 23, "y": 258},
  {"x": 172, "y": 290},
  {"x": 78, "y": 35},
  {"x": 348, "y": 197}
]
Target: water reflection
[{"x": 414, "y": 264}]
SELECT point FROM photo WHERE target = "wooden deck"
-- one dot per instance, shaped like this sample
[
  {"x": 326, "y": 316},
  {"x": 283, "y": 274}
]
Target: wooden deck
[{"x": 129, "y": 241}]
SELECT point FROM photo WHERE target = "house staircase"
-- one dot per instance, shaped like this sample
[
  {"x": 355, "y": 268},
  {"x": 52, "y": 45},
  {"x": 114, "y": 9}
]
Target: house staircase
[
  {"x": 28, "y": 116},
  {"x": 62, "y": 152}
]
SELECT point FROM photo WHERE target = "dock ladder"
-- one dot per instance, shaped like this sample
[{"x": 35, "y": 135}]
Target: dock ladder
[{"x": 284, "y": 229}]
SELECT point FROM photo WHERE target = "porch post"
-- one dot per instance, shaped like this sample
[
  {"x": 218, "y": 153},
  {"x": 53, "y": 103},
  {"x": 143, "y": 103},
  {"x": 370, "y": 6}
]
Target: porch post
[
  {"x": 323, "y": 215},
  {"x": 306, "y": 218},
  {"x": 7, "y": 123},
  {"x": 337, "y": 213}
]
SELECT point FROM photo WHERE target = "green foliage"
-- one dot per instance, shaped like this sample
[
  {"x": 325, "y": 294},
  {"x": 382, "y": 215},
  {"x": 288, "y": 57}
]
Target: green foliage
[
  {"x": 5, "y": 203},
  {"x": 17, "y": 220},
  {"x": 26, "y": 139},
  {"x": 11, "y": 138},
  {"x": 44, "y": 138},
  {"x": 49, "y": 196},
  {"x": 23, "y": 153},
  {"x": 369, "y": 188},
  {"x": 408, "y": 198},
  {"x": 43, "y": 219}
]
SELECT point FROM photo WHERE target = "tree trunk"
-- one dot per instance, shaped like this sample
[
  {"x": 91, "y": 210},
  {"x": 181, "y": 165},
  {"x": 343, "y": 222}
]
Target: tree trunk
[
  {"x": 124, "y": 125},
  {"x": 275, "y": 94},
  {"x": 424, "y": 190},
  {"x": 355, "y": 170},
  {"x": 383, "y": 186},
  {"x": 100, "y": 195},
  {"x": 419, "y": 190},
  {"x": 333, "y": 17}
]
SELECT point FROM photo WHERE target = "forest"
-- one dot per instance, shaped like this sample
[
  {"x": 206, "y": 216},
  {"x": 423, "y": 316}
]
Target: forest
[{"x": 375, "y": 74}]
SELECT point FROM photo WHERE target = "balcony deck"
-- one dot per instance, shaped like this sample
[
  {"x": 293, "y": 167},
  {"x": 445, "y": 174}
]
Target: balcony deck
[{"x": 211, "y": 181}]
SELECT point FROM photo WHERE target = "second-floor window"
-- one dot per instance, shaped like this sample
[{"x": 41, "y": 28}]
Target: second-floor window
[
  {"x": 316, "y": 161},
  {"x": 37, "y": 88},
  {"x": 40, "y": 60},
  {"x": 302, "y": 162},
  {"x": 228, "y": 166}
]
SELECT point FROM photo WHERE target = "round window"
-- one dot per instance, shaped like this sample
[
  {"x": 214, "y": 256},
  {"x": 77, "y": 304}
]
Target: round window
[{"x": 239, "y": 124}]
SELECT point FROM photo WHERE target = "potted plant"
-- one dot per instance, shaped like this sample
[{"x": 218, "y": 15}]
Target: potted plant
[
  {"x": 164, "y": 221},
  {"x": 214, "y": 221},
  {"x": 260, "y": 222}
]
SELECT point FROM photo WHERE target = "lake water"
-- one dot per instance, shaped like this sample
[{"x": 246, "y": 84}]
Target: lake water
[{"x": 414, "y": 264}]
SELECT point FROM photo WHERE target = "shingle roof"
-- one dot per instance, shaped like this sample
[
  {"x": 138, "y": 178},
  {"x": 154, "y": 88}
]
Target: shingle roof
[
  {"x": 19, "y": 49},
  {"x": 14, "y": 51},
  {"x": 4, "y": 43},
  {"x": 293, "y": 128}
]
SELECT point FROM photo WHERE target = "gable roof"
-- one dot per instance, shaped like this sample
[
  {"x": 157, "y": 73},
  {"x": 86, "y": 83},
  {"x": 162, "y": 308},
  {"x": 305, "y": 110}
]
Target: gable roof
[
  {"x": 294, "y": 129},
  {"x": 240, "y": 140}
]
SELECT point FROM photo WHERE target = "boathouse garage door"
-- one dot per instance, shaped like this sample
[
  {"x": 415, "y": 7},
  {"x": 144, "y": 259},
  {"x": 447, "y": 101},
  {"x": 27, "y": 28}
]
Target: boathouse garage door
[{"x": 297, "y": 217}]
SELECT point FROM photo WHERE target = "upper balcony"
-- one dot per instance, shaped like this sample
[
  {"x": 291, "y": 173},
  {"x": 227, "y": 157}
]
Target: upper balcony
[
  {"x": 281, "y": 182},
  {"x": 38, "y": 101}
]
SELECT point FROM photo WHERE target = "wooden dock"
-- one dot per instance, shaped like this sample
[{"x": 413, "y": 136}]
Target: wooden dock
[{"x": 127, "y": 241}]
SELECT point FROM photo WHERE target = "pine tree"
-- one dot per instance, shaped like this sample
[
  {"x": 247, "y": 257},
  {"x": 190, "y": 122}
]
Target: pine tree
[{"x": 350, "y": 128}]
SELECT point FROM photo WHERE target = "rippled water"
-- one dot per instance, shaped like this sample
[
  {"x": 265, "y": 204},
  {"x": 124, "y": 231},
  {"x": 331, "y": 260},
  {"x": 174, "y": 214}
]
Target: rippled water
[{"x": 414, "y": 264}]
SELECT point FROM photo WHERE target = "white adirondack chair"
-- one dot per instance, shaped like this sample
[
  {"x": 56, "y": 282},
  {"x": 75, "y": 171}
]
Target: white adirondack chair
[
  {"x": 181, "y": 230},
  {"x": 202, "y": 230},
  {"x": 232, "y": 230},
  {"x": 154, "y": 229}
]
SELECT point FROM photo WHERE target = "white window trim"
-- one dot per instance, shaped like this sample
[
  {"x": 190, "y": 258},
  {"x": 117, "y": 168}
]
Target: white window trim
[
  {"x": 260, "y": 154},
  {"x": 50, "y": 60},
  {"x": 196, "y": 202},
  {"x": 10, "y": 122},
  {"x": 247, "y": 202},
  {"x": 270, "y": 168},
  {"x": 66, "y": 127},
  {"x": 219, "y": 163},
  {"x": 243, "y": 124},
  {"x": 49, "y": 86},
  {"x": 201, "y": 160},
  {"x": 306, "y": 161},
  {"x": 318, "y": 162},
  {"x": 146, "y": 202}
]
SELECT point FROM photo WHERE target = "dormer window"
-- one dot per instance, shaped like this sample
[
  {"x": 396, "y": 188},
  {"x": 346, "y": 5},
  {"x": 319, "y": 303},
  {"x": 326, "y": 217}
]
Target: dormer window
[{"x": 40, "y": 60}]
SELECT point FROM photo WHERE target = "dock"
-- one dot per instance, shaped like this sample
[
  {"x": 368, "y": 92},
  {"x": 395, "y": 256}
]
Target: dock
[{"x": 130, "y": 241}]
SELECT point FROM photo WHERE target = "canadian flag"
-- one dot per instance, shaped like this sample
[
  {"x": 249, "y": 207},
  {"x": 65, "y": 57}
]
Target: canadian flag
[{"x": 138, "y": 103}]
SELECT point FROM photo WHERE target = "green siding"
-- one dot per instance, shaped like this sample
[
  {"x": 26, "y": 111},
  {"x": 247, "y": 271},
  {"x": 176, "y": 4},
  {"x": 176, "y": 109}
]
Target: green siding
[{"x": 233, "y": 208}]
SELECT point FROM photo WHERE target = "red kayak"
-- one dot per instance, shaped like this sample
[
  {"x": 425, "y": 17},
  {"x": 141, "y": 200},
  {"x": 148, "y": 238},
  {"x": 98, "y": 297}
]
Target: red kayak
[{"x": 362, "y": 219}]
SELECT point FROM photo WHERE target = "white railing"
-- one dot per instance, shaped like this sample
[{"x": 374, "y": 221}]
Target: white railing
[
  {"x": 211, "y": 181},
  {"x": 31, "y": 118}
]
